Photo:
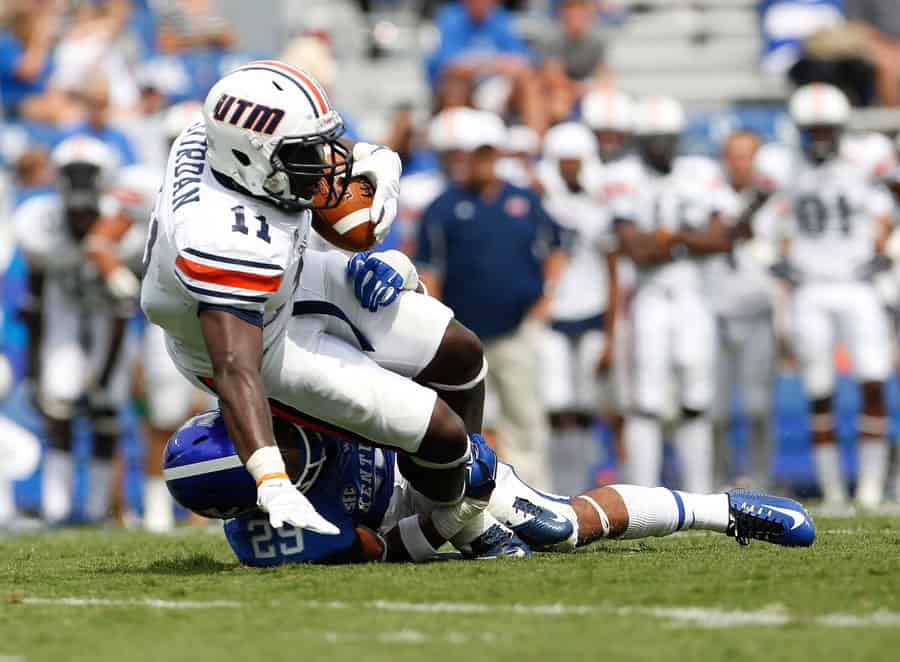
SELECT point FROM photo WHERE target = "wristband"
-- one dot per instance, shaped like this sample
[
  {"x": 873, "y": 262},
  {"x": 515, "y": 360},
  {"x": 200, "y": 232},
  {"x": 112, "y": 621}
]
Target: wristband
[
  {"x": 417, "y": 545},
  {"x": 266, "y": 463}
]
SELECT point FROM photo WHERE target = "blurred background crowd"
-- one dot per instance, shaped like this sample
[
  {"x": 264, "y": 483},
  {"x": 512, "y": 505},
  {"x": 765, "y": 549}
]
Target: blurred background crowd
[{"x": 499, "y": 110}]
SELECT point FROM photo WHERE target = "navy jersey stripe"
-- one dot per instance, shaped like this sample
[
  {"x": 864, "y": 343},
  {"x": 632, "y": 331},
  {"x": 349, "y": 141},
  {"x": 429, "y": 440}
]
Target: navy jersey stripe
[
  {"x": 253, "y": 317},
  {"x": 232, "y": 260},
  {"x": 219, "y": 295},
  {"x": 328, "y": 308}
]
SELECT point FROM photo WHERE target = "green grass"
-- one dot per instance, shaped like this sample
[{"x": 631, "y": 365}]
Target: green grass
[{"x": 854, "y": 568}]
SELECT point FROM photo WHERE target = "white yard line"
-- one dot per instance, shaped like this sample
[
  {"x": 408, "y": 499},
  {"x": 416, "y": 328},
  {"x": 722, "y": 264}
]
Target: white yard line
[{"x": 703, "y": 617}]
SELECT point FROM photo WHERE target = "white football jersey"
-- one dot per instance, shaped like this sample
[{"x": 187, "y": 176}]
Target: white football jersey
[
  {"x": 211, "y": 246},
  {"x": 686, "y": 198},
  {"x": 832, "y": 219},
  {"x": 583, "y": 286},
  {"x": 739, "y": 283}
]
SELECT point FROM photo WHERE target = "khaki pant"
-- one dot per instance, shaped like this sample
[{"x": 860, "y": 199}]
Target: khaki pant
[{"x": 512, "y": 380}]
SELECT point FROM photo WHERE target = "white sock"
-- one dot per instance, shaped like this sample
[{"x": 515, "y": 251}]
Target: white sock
[
  {"x": 56, "y": 487},
  {"x": 643, "y": 449},
  {"x": 573, "y": 453},
  {"x": 873, "y": 465},
  {"x": 694, "y": 445},
  {"x": 159, "y": 515},
  {"x": 7, "y": 502},
  {"x": 658, "y": 511},
  {"x": 96, "y": 507},
  {"x": 828, "y": 469}
]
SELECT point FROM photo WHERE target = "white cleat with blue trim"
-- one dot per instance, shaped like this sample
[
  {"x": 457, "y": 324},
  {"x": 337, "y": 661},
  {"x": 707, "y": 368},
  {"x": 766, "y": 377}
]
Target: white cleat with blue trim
[{"x": 778, "y": 520}]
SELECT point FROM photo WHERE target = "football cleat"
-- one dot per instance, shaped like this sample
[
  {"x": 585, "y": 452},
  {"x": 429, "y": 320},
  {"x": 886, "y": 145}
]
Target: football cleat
[
  {"x": 538, "y": 526},
  {"x": 497, "y": 542},
  {"x": 777, "y": 520}
]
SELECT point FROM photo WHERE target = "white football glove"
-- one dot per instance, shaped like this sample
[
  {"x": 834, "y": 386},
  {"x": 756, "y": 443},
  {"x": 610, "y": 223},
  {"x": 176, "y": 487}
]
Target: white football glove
[
  {"x": 287, "y": 505},
  {"x": 383, "y": 167}
]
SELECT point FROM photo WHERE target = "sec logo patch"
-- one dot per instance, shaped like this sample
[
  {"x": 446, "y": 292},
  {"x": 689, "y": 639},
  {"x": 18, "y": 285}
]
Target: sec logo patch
[{"x": 517, "y": 206}]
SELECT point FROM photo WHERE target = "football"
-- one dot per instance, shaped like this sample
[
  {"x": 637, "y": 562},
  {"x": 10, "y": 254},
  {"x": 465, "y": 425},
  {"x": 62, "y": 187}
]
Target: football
[{"x": 347, "y": 225}]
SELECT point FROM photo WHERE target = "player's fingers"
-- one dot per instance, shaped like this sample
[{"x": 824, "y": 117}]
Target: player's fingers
[
  {"x": 390, "y": 294},
  {"x": 369, "y": 290},
  {"x": 275, "y": 520},
  {"x": 318, "y": 524},
  {"x": 362, "y": 279},
  {"x": 375, "y": 298},
  {"x": 377, "y": 209}
]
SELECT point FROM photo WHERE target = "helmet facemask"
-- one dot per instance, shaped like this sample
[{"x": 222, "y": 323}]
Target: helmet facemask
[
  {"x": 309, "y": 172},
  {"x": 79, "y": 187},
  {"x": 821, "y": 142},
  {"x": 659, "y": 150},
  {"x": 611, "y": 144}
]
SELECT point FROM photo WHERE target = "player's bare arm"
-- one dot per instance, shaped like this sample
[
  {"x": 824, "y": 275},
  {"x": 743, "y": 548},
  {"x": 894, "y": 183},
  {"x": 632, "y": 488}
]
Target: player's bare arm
[
  {"x": 715, "y": 238},
  {"x": 235, "y": 350},
  {"x": 642, "y": 248},
  {"x": 604, "y": 361}
]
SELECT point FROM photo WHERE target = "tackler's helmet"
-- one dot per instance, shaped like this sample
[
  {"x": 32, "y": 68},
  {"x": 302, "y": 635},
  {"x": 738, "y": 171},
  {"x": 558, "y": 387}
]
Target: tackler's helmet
[
  {"x": 205, "y": 475},
  {"x": 610, "y": 115},
  {"x": 84, "y": 168},
  {"x": 658, "y": 124},
  {"x": 820, "y": 112},
  {"x": 271, "y": 129}
]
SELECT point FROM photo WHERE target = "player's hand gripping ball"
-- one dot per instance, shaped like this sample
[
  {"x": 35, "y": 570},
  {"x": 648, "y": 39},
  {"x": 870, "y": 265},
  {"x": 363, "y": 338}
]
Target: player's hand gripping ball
[{"x": 347, "y": 225}]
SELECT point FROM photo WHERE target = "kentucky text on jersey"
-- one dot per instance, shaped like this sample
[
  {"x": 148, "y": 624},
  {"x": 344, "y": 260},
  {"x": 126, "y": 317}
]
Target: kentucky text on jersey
[{"x": 190, "y": 159}]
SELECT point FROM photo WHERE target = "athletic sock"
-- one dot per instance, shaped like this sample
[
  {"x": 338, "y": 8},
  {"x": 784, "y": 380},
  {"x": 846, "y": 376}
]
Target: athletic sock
[
  {"x": 643, "y": 449},
  {"x": 159, "y": 516},
  {"x": 829, "y": 472},
  {"x": 694, "y": 444},
  {"x": 7, "y": 502},
  {"x": 873, "y": 466},
  {"x": 56, "y": 487},
  {"x": 96, "y": 507},
  {"x": 658, "y": 511}
]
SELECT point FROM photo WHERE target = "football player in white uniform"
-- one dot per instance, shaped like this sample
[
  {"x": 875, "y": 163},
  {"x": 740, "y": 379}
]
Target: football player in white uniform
[
  {"x": 610, "y": 115},
  {"x": 667, "y": 227},
  {"x": 741, "y": 292},
  {"x": 224, "y": 256},
  {"x": 833, "y": 247},
  {"x": 577, "y": 344},
  {"x": 79, "y": 257}
]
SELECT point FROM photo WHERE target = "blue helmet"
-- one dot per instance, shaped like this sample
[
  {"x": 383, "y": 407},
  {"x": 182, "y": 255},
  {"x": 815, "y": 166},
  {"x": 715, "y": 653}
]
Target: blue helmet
[{"x": 205, "y": 475}]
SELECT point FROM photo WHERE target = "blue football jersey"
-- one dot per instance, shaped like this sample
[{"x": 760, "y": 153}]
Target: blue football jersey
[{"x": 354, "y": 488}]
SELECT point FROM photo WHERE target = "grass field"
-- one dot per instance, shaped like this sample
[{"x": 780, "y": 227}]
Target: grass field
[{"x": 117, "y": 595}]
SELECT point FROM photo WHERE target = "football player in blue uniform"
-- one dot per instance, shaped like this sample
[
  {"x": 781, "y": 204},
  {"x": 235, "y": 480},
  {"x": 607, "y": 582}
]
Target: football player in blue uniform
[{"x": 360, "y": 489}]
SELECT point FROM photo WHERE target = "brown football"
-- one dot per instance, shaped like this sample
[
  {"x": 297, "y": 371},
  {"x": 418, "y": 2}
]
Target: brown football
[{"x": 347, "y": 225}]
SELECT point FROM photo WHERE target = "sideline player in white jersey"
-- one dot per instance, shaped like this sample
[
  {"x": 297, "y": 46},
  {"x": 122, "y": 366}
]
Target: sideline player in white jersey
[
  {"x": 577, "y": 343},
  {"x": 833, "y": 247},
  {"x": 224, "y": 256},
  {"x": 79, "y": 257},
  {"x": 667, "y": 227},
  {"x": 741, "y": 291},
  {"x": 610, "y": 115}
]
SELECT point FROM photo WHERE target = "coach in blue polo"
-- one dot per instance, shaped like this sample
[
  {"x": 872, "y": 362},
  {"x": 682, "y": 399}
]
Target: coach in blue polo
[{"x": 490, "y": 252}]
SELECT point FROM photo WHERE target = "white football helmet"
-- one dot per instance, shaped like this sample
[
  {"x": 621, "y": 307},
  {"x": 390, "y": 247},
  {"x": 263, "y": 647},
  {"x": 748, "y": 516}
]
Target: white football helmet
[
  {"x": 84, "y": 168},
  {"x": 569, "y": 140},
  {"x": 820, "y": 112},
  {"x": 607, "y": 109},
  {"x": 772, "y": 167},
  {"x": 448, "y": 129},
  {"x": 610, "y": 114},
  {"x": 658, "y": 123},
  {"x": 271, "y": 129}
]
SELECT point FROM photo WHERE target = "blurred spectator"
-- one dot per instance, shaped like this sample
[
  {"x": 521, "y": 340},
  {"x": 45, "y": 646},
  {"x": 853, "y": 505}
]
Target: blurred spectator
[
  {"x": 34, "y": 175},
  {"x": 190, "y": 24},
  {"x": 26, "y": 40},
  {"x": 91, "y": 46},
  {"x": 144, "y": 126},
  {"x": 787, "y": 23},
  {"x": 96, "y": 104},
  {"x": 574, "y": 47},
  {"x": 491, "y": 252},
  {"x": 478, "y": 45},
  {"x": 880, "y": 20},
  {"x": 476, "y": 36}
]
